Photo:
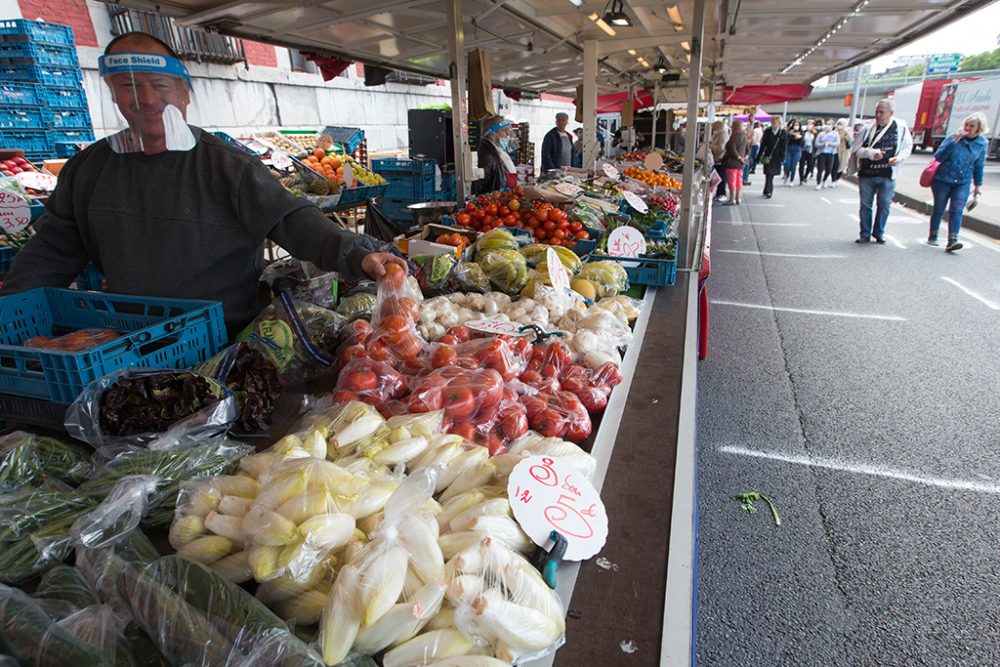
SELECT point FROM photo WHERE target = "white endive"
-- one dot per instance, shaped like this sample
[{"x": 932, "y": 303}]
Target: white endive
[{"x": 402, "y": 622}]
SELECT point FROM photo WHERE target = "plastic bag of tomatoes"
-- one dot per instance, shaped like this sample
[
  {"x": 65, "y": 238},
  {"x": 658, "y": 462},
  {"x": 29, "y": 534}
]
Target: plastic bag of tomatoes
[
  {"x": 560, "y": 414},
  {"x": 546, "y": 364},
  {"x": 506, "y": 355},
  {"x": 369, "y": 381},
  {"x": 393, "y": 335}
]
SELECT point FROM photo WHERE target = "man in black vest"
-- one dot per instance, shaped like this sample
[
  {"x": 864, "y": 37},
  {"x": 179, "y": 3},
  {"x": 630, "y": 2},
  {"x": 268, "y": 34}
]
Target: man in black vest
[{"x": 880, "y": 147}]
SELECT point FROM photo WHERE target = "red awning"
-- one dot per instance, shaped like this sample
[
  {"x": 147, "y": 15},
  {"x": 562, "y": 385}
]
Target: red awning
[
  {"x": 766, "y": 94},
  {"x": 613, "y": 102}
]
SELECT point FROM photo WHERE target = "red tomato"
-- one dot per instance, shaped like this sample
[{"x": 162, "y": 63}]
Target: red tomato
[
  {"x": 343, "y": 396},
  {"x": 512, "y": 425},
  {"x": 352, "y": 352},
  {"x": 379, "y": 350},
  {"x": 573, "y": 383},
  {"x": 549, "y": 423},
  {"x": 593, "y": 399},
  {"x": 470, "y": 208},
  {"x": 575, "y": 227},
  {"x": 542, "y": 214},
  {"x": 407, "y": 347},
  {"x": 448, "y": 339},
  {"x": 534, "y": 406},
  {"x": 464, "y": 218},
  {"x": 558, "y": 234},
  {"x": 495, "y": 445},
  {"x": 609, "y": 374},
  {"x": 410, "y": 308},
  {"x": 492, "y": 210},
  {"x": 395, "y": 276},
  {"x": 466, "y": 430},
  {"x": 531, "y": 377},
  {"x": 444, "y": 356},
  {"x": 425, "y": 401},
  {"x": 458, "y": 402},
  {"x": 578, "y": 429},
  {"x": 549, "y": 225},
  {"x": 462, "y": 333},
  {"x": 394, "y": 328},
  {"x": 504, "y": 211},
  {"x": 486, "y": 413},
  {"x": 583, "y": 236},
  {"x": 359, "y": 379}
]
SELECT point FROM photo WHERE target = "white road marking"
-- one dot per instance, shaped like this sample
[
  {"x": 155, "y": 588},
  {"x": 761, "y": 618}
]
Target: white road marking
[
  {"x": 804, "y": 311},
  {"x": 768, "y": 205},
  {"x": 978, "y": 297},
  {"x": 896, "y": 242},
  {"x": 848, "y": 201},
  {"x": 826, "y": 201},
  {"x": 905, "y": 221},
  {"x": 867, "y": 469},
  {"x": 763, "y": 224},
  {"x": 779, "y": 254}
]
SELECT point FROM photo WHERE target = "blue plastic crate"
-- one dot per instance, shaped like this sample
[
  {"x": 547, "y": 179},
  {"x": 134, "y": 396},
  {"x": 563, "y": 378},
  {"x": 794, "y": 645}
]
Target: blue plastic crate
[
  {"x": 30, "y": 141},
  {"x": 396, "y": 210},
  {"x": 157, "y": 333},
  {"x": 348, "y": 137},
  {"x": 414, "y": 188},
  {"x": 360, "y": 196},
  {"x": 65, "y": 150},
  {"x": 393, "y": 165},
  {"x": 32, "y": 411},
  {"x": 63, "y": 98},
  {"x": 30, "y": 53},
  {"x": 23, "y": 30},
  {"x": 47, "y": 75},
  {"x": 91, "y": 279},
  {"x": 646, "y": 270},
  {"x": 67, "y": 119},
  {"x": 67, "y": 136},
  {"x": 6, "y": 258},
  {"x": 22, "y": 118},
  {"x": 584, "y": 247},
  {"x": 22, "y": 93}
]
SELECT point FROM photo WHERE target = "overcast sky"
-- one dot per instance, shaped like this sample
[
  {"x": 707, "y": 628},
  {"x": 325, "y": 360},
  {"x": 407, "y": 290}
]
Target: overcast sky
[{"x": 975, "y": 33}]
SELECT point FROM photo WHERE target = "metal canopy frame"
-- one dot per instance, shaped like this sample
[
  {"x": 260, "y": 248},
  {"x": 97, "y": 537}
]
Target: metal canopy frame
[{"x": 537, "y": 45}]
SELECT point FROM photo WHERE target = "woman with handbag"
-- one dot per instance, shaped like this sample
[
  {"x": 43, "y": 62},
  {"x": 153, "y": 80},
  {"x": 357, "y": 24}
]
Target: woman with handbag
[
  {"x": 793, "y": 152},
  {"x": 959, "y": 163},
  {"x": 843, "y": 154},
  {"x": 772, "y": 153},
  {"x": 734, "y": 159}
]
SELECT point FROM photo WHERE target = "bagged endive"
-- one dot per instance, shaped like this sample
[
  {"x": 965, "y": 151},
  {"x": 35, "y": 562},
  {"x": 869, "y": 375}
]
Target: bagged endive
[{"x": 390, "y": 589}]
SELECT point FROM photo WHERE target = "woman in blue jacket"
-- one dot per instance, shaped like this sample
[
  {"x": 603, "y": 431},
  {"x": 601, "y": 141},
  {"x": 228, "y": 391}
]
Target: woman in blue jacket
[{"x": 962, "y": 157}]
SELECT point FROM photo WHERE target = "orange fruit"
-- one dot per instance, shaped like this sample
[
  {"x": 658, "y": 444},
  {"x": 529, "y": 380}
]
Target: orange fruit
[
  {"x": 318, "y": 153},
  {"x": 324, "y": 160},
  {"x": 335, "y": 162}
]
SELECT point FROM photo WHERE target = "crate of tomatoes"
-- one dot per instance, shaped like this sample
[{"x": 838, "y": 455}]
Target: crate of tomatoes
[{"x": 546, "y": 222}]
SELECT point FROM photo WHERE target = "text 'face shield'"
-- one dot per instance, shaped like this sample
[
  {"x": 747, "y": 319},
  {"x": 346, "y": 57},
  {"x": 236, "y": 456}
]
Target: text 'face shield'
[{"x": 151, "y": 92}]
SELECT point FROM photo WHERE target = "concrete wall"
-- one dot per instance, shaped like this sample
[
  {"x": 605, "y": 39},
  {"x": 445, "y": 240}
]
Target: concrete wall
[{"x": 238, "y": 98}]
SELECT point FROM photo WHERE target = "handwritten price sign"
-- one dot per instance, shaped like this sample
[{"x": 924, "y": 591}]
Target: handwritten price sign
[
  {"x": 568, "y": 189},
  {"x": 280, "y": 160},
  {"x": 548, "y": 494},
  {"x": 557, "y": 272},
  {"x": 15, "y": 212},
  {"x": 626, "y": 242},
  {"x": 610, "y": 171},
  {"x": 498, "y": 327},
  {"x": 36, "y": 180},
  {"x": 635, "y": 201}
]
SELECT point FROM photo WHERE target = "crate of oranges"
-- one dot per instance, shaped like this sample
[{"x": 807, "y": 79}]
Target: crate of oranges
[{"x": 653, "y": 178}]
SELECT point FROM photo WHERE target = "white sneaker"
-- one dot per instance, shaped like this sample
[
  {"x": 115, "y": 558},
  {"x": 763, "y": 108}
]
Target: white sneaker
[
  {"x": 819, "y": 187},
  {"x": 723, "y": 199}
]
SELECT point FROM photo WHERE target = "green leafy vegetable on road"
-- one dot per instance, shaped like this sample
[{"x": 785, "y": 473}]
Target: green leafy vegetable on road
[{"x": 747, "y": 501}]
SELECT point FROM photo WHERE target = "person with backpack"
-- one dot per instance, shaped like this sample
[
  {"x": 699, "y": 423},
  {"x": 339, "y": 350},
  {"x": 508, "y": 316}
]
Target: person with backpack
[{"x": 961, "y": 158}]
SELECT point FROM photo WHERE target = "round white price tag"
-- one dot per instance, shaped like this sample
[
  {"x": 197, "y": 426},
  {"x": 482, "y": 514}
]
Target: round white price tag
[
  {"x": 626, "y": 242},
  {"x": 635, "y": 201},
  {"x": 549, "y": 494},
  {"x": 557, "y": 272},
  {"x": 610, "y": 171},
  {"x": 280, "y": 160},
  {"x": 15, "y": 212},
  {"x": 568, "y": 189},
  {"x": 36, "y": 180},
  {"x": 498, "y": 327},
  {"x": 653, "y": 161}
]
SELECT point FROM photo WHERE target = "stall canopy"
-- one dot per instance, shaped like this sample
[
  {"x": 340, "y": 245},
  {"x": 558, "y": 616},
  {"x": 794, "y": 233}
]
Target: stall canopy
[
  {"x": 759, "y": 116},
  {"x": 613, "y": 102},
  {"x": 537, "y": 45},
  {"x": 765, "y": 94}
]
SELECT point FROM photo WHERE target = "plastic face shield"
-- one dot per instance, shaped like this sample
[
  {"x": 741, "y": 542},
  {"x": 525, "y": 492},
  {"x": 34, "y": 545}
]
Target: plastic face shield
[{"x": 151, "y": 92}]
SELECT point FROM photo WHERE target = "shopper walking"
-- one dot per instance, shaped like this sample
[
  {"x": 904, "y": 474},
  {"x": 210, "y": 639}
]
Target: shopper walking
[
  {"x": 808, "y": 160},
  {"x": 734, "y": 160},
  {"x": 881, "y": 146},
  {"x": 962, "y": 157},
  {"x": 843, "y": 154},
  {"x": 826, "y": 143},
  {"x": 720, "y": 135},
  {"x": 557, "y": 145},
  {"x": 794, "y": 151},
  {"x": 772, "y": 153},
  {"x": 755, "y": 138}
]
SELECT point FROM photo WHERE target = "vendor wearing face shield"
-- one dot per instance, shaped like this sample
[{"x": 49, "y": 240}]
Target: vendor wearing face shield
[
  {"x": 166, "y": 209},
  {"x": 494, "y": 156}
]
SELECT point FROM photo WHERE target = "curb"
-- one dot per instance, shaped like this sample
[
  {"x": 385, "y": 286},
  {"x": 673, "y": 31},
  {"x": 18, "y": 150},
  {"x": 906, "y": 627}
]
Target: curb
[{"x": 980, "y": 225}]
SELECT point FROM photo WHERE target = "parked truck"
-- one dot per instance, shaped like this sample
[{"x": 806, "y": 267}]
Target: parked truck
[
  {"x": 957, "y": 100},
  {"x": 917, "y": 105}
]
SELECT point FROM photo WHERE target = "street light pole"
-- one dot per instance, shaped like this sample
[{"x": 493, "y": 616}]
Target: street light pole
[{"x": 854, "y": 96}]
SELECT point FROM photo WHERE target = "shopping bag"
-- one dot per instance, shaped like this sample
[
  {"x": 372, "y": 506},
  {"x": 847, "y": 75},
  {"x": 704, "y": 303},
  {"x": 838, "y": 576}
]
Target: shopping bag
[{"x": 927, "y": 175}]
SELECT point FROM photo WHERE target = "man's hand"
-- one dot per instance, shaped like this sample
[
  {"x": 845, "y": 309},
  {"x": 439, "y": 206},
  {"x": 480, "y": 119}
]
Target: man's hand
[
  {"x": 877, "y": 155},
  {"x": 374, "y": 263},
  {"x": 893, "y": 161}
]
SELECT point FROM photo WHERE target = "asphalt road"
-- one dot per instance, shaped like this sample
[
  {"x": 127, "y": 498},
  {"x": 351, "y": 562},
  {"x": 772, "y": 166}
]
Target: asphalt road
[{"x": 858, "y": 386}]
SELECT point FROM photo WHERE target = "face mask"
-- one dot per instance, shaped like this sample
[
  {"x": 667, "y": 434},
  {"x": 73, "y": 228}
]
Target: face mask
[{"x": 507, "y": 144}]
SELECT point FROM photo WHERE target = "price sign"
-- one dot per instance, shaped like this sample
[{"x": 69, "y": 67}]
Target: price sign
[
  {"x": 15, "y": 212},
  {"x": 610, "y": 171},
  {"x": 626, "y": 242},
  {"x": 557, "y": 272},
  {"x": 653, "y": 161},
  {"x": 635, "y": 201},
  {"x": 348, "y": 175},
  {"x": 281, "y": 160},
  {"x": 36, "y": 180},
  {"x": 498, "y": 327},
  {"x": 568, "y": 189},
  {"x": 549, "y": 494}
]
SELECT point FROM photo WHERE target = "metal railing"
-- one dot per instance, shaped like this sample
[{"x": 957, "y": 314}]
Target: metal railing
[
  {"x": 189, "y": 43},
  {"x": 906, "y": 80}
]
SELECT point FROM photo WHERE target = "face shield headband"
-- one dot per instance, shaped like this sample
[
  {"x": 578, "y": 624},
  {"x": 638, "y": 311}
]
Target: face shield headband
[{"x": 151, "y": 92}]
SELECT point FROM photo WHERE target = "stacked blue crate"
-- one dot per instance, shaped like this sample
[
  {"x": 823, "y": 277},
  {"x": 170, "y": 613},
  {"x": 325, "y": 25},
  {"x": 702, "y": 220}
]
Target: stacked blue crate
[
  {"x": 410, "y": 182},
  {"x": 43, "y": 105}
]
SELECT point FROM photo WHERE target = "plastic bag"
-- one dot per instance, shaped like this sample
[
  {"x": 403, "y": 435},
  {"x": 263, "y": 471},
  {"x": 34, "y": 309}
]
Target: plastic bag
[
  {"x": 29, "y": 635},
  {"x": 508, "y": 355},
  {"x": 135, "y": 406},
  {"x": 64, "y": 590},
  {"x": 608, "y": 276},
  {"x": 373, "y": 382},
  {"x": 507, "y": 270},
  {"x": 100, "y": 627},
  {"x": 434, "y": 272},
  {"x": 559, "y": 414},
  {"x": 394, "y": 332},
  {"x": 304, "y": 280},
  {"x": 496, "y": 239},
  {"x": 119, "y": 513},
  {"x": 469, "y": 277},
  {"x": 27, "y": 459},
  {"x": 252, "y": 378},
  {"x": 297, "y": 337},
  {"x": 359, "y": 302},
  {"x": 392, "y": 587},
  {"x": 624, "y": 308},
  {"x": 197, "y": 618}
]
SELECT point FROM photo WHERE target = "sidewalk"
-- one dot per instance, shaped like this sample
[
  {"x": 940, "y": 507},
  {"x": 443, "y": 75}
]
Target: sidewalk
[{"x": 985, "y": 218}]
